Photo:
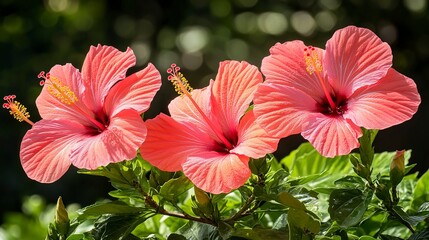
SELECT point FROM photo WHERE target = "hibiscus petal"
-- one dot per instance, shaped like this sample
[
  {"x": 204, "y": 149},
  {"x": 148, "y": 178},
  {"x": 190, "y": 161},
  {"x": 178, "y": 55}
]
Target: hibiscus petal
[
  {"x": 136, "y": 91},
  {"x": 217, "y": 172},
  {"x": 356, "y": 57},
  {"x": 286, "y": 65},
  {"x": 45, "y": 148},
  {"x": 332, "y": 136},
  {"x": 51, "y": 107},
  {"x": 253, "y": 141},
  {"x": 184, "y": 111},
  {"x": 233, "y": 91},
  {"x": 169, "y": 143},
  {"x": 282, "y": 110},
  {"x": 102, "y": 68},
  {"x": 120, "y": 141},
  {"x": 392, "y": 100}
]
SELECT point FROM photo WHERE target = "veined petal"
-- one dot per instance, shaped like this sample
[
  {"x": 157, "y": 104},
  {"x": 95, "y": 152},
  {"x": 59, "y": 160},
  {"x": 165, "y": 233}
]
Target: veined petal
[
  {"x": 136, "y": 91},
  {"x": 217, "y": 172},
  {"x": 169, "y": 143},
  {"x": 392, "y": 100},
  {"x": 253, "y": 141},
  {"x": 356, "y": 57},
  {"x": 120, "y": 141},
  {"x": 45, "y": 148},
  {"x": 51, "y": 107},
  {"x": 182, "y": 110},
  {"x": 102, "y": 68},
  {"x": 282, "y": 110},
  {"x": 332, "y": 136},
  {"x": 233, "y": 91},
  {"x": 286, "y": 66}
]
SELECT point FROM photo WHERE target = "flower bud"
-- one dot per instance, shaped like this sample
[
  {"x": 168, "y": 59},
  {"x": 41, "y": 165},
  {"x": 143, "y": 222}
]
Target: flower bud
[
  {"x": 62, "y": 221},
  {"x": 397, "y": 168}
]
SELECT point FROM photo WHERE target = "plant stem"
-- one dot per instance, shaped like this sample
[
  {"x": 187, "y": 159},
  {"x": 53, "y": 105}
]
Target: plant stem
[
  {"x": 160, "y": 210},
  {"x": 243, "y": 209}
]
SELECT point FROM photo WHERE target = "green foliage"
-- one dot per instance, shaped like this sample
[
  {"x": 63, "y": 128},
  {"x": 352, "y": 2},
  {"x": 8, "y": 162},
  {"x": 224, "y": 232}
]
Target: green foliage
[{"x": 362, "y": 196}]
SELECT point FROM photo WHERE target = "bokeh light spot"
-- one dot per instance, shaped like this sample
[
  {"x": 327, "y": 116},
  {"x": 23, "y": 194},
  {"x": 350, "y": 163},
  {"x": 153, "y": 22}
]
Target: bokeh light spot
[
  {"x": 124, "y": 26},
  {"x": 13, "y": 24},
  {"x": 326, "y": 20},
  {"x": 303, "y": 23},
  {"x": 166, "y": 38},
  {"x": 192, "y": 39},
  {"x": 165, "y": 58},
  {"x": 272, "y": 23},
  {"x": 192, "y": 61},
  {"x": 237, "y": 49},
  {"x": 245, "y": 22},
  {"x": 388, "y": 33},
  {"x": 220, "y": 8},
  {"x": 415, "y": 5},
  {"x": 70, "y": 6},
  {"x": 142, "y": 52}
]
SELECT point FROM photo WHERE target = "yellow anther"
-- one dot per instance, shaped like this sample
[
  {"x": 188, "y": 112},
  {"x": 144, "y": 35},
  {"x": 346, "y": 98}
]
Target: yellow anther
[
  {"x": 180, "y": 83},
  {"x": 16, "y": 109},
  {"x": 60, "y": 91},
  {"x": 312, "y": 60}
]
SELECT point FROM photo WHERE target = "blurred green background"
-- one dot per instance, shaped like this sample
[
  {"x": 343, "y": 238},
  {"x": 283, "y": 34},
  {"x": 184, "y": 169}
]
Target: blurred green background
[{"x": 195, "y": 34}]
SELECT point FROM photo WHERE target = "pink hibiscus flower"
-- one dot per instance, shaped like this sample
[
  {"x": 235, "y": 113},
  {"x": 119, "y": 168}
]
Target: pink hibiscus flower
[
  {"x": 327, "y": 95},
  {"x": 211, "y": 134},
  {"x": 90, "y": 119}
]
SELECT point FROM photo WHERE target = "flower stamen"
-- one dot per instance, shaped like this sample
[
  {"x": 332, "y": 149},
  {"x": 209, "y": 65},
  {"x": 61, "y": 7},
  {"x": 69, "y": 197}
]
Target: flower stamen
[
  {"x": 314, "y": 66},
  {"x": 57, "y": 89},
  {"x": 16, "y": 109},
  {"x": 182, "y": 87}
]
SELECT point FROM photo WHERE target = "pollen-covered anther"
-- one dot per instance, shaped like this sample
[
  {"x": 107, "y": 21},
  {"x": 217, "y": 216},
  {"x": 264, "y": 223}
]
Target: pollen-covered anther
[
  {"x": 57, "y": 89},
  {"x": 312, "y": 60},
  {"x": 180, "y": 83},
  {"x": 16, "y": 109}
]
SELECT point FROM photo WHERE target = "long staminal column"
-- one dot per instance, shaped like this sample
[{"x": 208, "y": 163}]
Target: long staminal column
[
  {"x": 314, "y": 66},
  {"x": 16, "y": 109},
  {"x": 182, "y": 87},
  {"x": 63, "y": 93}
]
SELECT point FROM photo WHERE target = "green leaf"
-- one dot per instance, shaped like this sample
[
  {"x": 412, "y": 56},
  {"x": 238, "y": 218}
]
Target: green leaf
[
  {"x": 81, "y": 236},
  {"x": 101, "y": 208},
  {"x": 302, "y": 225},
  {"x": 200, "y": 231},
  {"x": 175, "y": 236},
  {"x": 260, "y": 234},
  {"x": 347, "y": 206},
  {"x": 421, "y": 193},
  {"x": 413, "y": 220},
  {"x": 171, "y": 189},
  {"x": 367, "y": 238},
  {"x": 421, "y": 235},
  {"x": 288, "y": 200},
  {"x": 366, "y": 148},
  {"x": 307, "y": 166},
  {"x": 118, "y": 226}
]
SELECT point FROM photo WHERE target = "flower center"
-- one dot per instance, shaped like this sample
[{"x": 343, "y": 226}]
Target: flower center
[
  {"x": 63, "y": 93},
  {"x": 16, "y": 109},
  {"x": 182, "y": 87},
  {"x": 335, "y": 105},
  {"x": 340, "y": 107}
]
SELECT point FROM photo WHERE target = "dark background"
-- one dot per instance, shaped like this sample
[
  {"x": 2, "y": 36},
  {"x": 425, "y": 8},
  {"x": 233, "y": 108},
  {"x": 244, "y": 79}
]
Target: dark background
[{"x": 196, "y": 34}]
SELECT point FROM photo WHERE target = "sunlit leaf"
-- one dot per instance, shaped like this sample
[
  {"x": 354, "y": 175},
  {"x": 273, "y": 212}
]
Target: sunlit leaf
[
  {"x": 171, "y": 189},
  {"x": 347, "y": 206}
]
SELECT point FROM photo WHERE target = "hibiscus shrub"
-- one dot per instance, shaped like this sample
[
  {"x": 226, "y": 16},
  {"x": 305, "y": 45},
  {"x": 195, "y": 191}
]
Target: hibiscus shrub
[
  {"x": 206, "y": 169},
  {"x": 302, "y": 196}
]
